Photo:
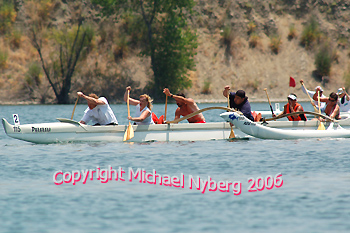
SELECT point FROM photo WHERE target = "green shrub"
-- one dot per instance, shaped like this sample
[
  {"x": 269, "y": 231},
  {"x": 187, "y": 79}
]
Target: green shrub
[
  {"x": 254, "y": 40},
  {"x": 227, "y": 40},
  {"x": 251, "y": 27},
  {"x": 227, "y": 36},
  {"x": 324, "y": 59},
  {"x": 7, "y": 16},
  {"x": 121, "y": 48},
  {"x": 343, "y": 42},
  {"x": 3, "y": 58},
  {"x": 66, "y": 37},
  {"x": 310, "y": 33},
  {"x": 34, "y": 74},
  {"x": 254, "y": 84},
  {"x": 133, "y": 27},
  {"x": 15, "y": 38},
  {"x": 275, "y": 43},
  {"x": 346, "y": 77},
  {"x": 292, "y": 32},
  {"x": 206, "y": 88}
]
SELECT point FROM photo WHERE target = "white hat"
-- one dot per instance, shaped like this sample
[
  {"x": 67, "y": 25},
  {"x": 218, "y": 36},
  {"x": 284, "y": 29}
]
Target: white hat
[
  {"x": 292, "y": 97},
  {"x": 319, "y": 88},
  {"x": 340, "y": 91}
]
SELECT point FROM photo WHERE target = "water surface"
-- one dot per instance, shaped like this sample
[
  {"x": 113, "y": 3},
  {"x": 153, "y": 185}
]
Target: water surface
[{"x": 314, "y": 197}]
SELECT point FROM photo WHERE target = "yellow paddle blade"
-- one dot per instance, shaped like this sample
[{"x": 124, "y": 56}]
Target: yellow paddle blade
[
  {"x": 232, "y": 134},
  {"x": 321, "y": 126},
  {"x": 129, "y": 133}
]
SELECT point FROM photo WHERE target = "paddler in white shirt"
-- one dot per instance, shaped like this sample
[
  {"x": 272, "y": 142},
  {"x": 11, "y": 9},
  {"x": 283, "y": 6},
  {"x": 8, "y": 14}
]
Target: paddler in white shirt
[{"x": 98, "y": 111}]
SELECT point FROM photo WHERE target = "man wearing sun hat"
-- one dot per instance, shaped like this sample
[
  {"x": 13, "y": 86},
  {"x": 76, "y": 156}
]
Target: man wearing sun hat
[
  {"x": 343, "y": 100},
  {"x": 291, "y": 107}
]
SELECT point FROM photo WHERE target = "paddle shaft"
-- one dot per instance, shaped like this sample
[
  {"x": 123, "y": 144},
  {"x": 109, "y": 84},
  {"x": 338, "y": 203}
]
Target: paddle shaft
[
  {"x": 269, "y": 101},
  {"x": 129, "y": 133},
  {"x": 128, "y": 103},
  {"x": 76, "y": 102},
  {"x": 232, "y": 134},
  {"x": 228, "y": 100},
  {"x": 166, "y": 105},
  {"x": 313, "y": 104},
  {"x": 319, "y": 103}
]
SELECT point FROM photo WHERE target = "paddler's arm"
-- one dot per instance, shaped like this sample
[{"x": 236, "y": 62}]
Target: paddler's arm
[
  {"x": 131, "y": 100},
  {"x": 347, "y": 95},
  {"x": 303, "y": 88},
  {"x": 283, "y": 112},
  {"x": 335, "y": 112},
  {"x": 226, "y": 91},
  {"x": 322, "y": 99},
  {"x": 90, "y": 99},
  {"x": 141, "y": 118},
  {"x": 178, "y": 98},
  {"x": 299, "y": 109}
]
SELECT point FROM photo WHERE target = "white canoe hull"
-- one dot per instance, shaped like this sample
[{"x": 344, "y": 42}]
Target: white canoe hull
[
  {"x": 75, "y": 132},
  {"x": 268, "y": 132},
  {"x": 71, "y": 131}
]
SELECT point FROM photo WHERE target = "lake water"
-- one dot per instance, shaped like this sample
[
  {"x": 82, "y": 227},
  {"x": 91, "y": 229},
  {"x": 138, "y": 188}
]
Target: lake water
[{"x": 314, "y": 195}]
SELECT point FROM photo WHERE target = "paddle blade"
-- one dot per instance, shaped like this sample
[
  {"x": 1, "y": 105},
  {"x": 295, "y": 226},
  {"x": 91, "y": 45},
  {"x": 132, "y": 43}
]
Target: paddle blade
[
  {"x": 232, "y": 134},
  {"x": 129, "y": 133},
  {"x": 321, "y": 126}
]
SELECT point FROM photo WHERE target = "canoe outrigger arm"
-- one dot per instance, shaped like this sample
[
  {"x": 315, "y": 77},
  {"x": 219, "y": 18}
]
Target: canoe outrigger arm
[
  {"x": 65, "y": 120},
  {"x": 200, "y": 111},
  {"x": 298, "y": 113}
]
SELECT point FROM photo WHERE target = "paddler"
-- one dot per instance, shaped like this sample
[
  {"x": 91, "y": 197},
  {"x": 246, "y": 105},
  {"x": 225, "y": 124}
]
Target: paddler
[
  {"x": 239, "y": 101},
  {"x": 291, "y": 107},
  {"x": 98, "y": 111},
  {"x": 185, "y": 106}
]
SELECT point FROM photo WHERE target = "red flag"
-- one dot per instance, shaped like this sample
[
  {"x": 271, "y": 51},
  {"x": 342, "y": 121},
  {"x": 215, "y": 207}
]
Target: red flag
[{"x": 291, "y": 82}]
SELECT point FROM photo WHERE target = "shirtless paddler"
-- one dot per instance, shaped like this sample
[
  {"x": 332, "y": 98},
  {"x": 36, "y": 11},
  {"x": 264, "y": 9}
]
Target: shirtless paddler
[{"x": 185, "y": 106}]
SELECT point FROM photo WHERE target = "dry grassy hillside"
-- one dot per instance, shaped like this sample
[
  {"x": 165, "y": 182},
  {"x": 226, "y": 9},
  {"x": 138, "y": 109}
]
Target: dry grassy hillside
[{"x": 230, "y": 60}]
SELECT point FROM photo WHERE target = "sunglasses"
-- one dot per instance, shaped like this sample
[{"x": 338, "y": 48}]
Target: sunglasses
[{"x": 332, "y": 100}]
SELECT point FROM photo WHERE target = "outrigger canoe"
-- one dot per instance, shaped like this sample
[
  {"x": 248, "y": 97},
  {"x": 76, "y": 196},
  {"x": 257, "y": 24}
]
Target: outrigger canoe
[
  {"x": 260, "y": 130},
  {"x": 72, "y": 131}
]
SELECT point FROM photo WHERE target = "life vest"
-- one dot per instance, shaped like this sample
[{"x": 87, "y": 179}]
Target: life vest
[{"x": 295, "y": 107}]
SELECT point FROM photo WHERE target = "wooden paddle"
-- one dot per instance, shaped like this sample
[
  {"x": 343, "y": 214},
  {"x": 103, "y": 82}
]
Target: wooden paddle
[
  {"x": 269, "y": 101},
  {"x": 232, "y": 134},
  {"x": 129, "y": 133},
  {"x": 74, "y": 108},
  {"x": 320, "y": 126},
  {"x": 311, "y": 100}
]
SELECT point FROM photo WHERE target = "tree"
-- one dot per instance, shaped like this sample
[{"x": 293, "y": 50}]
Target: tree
[
  {"x": 71, "y": 43},
  {"x": 171, "y": 43}
]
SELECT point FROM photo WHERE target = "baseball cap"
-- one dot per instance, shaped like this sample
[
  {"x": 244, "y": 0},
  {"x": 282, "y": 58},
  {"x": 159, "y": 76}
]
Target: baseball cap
[
  {"x": 292, "y": 96},
  {"x": 318, "y": 87},
  {"x": 240, "y": 93},
  {"x": 340, "y": 91}
]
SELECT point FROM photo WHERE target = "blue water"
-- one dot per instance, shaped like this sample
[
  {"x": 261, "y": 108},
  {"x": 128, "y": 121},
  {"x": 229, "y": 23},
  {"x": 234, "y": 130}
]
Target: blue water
[{"x": 314, "y": 196}]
